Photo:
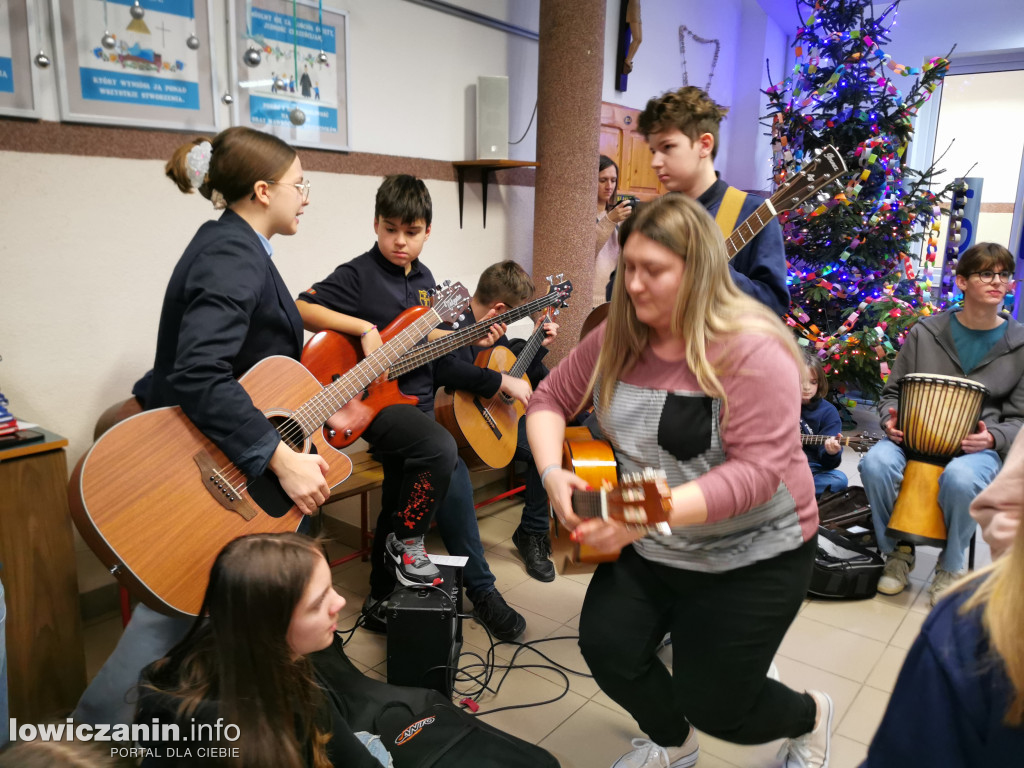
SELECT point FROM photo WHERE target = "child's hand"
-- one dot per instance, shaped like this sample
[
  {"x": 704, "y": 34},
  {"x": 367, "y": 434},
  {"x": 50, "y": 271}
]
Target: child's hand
[
  {"x": 550, "y": 331},
  {"x": 370, "y": 341},
  {"x": 516, "y": 388},
  {"x": 496, "y": 331},
  {"x": 832, "y": 446}
]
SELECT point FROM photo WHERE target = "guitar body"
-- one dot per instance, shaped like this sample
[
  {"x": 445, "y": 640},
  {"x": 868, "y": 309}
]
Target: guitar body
[
  {"x": 486, "y": 430},
  {"x": 594, "y": 461},
  {"x": 330, "y": 354},
  {"x": 139, "y": 500}
]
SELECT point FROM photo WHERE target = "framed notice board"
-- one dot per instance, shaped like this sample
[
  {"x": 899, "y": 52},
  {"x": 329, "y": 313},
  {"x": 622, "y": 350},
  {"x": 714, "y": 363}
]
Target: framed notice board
[
  {"x": 18, "y": 32},
  {"x": 289, "y": 67},
  {"x": 146, "y": 63}
]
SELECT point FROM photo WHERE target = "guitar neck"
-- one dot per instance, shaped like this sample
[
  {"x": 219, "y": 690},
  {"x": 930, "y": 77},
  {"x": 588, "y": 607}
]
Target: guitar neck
[
  {"x": 588, "y": 504},
  {"x": 528, "y": 352},
  {"x": 425, "y": 353},
  {"x": 748, "y": 230},
  {"x": 312, "y": 414},
  {"x": 820, "y": 439}
]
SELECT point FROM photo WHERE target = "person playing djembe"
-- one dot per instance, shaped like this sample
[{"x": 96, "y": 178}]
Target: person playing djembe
[{"x": 977, "y": 341}]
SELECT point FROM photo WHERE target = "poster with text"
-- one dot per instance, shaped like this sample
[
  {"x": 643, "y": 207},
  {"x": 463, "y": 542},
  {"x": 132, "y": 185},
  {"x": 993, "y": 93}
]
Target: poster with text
[
  {"x": 146, "y": 63},
  {"x": 290, "y": 70},
  {"x": 16, "y": 69}
]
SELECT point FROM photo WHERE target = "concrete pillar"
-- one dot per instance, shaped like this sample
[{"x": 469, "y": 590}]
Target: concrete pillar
[{"x": 570, "y": 71}]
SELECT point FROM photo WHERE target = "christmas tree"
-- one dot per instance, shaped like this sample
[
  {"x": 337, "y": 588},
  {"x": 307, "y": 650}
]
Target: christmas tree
[{"x": 857, "y": 279}]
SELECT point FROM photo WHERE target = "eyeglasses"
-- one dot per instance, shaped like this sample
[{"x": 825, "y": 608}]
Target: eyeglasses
[
  {"x": 989, "y": 276},
  {"x": 302, "y": 186}
]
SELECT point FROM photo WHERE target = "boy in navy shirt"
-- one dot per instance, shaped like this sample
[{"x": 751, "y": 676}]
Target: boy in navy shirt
[
  {"x": 418, "y": 455},
  {"x": 502, "y": 287}
]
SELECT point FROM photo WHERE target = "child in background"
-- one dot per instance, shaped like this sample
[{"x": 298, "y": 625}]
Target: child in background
[{"x": 819, "y": 417}]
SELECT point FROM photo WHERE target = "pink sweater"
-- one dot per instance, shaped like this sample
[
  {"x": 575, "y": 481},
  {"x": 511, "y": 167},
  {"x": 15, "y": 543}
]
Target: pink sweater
[{"x": 761, "y": 442}]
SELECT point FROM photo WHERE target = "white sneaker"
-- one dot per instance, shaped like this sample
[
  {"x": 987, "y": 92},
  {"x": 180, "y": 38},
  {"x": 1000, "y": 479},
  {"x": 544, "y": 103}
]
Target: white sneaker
[
  {"x": 812, "y": 749},
  {"x": 647, "y": 754},
  {"x": 942, "y": 581},
  {"x": 896, "y": 573}
]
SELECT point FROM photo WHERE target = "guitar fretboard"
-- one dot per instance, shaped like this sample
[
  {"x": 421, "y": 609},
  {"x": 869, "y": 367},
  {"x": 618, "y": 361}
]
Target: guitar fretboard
[
  {"x": 426, "y": 352},
  {"x": 587, "y": 504}
]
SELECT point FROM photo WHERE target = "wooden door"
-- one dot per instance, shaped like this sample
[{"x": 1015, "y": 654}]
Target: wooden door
[{"x": 628, "y": 148}]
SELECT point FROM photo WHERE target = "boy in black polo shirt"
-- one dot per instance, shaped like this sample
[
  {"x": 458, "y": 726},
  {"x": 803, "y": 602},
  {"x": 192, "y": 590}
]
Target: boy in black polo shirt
[
  {"x": 502, "y": 287},
  {"x": 418, "y": 455}
]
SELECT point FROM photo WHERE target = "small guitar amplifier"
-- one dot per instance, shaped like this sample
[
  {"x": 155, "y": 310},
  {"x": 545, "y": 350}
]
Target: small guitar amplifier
[{"x": 425, "y": 633}]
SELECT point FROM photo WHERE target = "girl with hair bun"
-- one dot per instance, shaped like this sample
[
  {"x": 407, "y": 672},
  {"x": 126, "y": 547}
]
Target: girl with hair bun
[{"x": 225, "y": 309}]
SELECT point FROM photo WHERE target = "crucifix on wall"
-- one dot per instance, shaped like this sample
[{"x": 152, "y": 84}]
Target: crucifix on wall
[{"x": 630, "y": 36}]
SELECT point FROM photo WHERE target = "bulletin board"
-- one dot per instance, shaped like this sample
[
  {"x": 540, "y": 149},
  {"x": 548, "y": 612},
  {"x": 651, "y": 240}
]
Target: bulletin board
[
  {"x": 289, "y": 69},
  {"x": 145, "y": 63},
  {"x": 18, "y": 31}
]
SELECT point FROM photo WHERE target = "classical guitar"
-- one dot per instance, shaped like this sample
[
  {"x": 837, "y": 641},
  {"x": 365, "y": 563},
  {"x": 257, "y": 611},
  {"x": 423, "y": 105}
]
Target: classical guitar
[
  {"x": 157, "y": 501},
  {"x": 638, "y": 499},
  {"x": 486, "y": 429},
  {"x": 330, "y": 354},
  {"x": 823, "y": 169},
  {"x": 860, "y": 443}
]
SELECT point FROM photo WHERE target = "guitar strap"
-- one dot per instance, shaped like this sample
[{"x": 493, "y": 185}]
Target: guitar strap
[{"x": 729, "y": 210}]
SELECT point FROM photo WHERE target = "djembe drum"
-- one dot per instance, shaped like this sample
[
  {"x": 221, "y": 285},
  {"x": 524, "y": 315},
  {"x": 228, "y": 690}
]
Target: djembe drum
[{"x": 935, "y": 414}]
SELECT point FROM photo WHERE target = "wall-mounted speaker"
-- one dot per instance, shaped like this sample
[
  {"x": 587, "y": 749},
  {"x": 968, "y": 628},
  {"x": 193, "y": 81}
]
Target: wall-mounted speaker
[{"x": 492, "y": 118}]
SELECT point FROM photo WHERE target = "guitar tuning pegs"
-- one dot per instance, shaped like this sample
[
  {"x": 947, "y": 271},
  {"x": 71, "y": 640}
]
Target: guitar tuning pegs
[{"x": 560, "y": 276}]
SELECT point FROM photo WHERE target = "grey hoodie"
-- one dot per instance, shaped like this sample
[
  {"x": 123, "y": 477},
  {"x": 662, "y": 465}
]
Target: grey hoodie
[{"x": 929, "y": 348}]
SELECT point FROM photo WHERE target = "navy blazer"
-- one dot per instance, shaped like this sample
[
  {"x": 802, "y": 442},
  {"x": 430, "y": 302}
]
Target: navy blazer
[{"x": 225, "y": 309}]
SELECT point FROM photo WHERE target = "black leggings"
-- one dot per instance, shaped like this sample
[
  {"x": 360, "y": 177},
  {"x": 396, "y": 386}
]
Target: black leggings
[
  {"x": 726, "y": 627},
  {"x": 418, "y": 456}
]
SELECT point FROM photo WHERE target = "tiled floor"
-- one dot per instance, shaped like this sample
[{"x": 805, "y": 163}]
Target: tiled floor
[{"x": 852, "y": 650}]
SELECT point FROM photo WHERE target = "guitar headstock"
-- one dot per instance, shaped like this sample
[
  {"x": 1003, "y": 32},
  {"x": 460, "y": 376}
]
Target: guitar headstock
[
  {"x": 812, "y": 178},
  {"x": 448, "y": 300},
  {"x": 862, "y": 443},
  {"x": 563, "y": 288},
  {"x": 642, "y": 499}
]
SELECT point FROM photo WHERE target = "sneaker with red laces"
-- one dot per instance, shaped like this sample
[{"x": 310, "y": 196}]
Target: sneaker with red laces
[{"x": 412, "y": 566}]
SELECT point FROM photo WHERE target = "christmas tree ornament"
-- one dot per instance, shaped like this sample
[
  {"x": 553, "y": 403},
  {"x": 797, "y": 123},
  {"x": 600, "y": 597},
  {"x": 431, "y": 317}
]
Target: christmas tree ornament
[
  {"x": 108, "y": 41},
  {"x": 252, "y": 57},
  {"x": 297, "y": 116},
  {"x": 227, "y": 98},
  {"x": 137, "y": 11},
  {"x": 42, "y": 60},
  {"x": 192, "y": 42},
  {"x": 321, "y": 58}
]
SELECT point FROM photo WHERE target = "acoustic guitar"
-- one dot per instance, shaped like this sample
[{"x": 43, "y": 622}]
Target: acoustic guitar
[
  {"x": 157, "y": 501},
  {"x": 330, "y": 354},
  {"x": 486, "y": 429},
  {"x": 641, "y": 500},
  {"x": 860, "y": 443},
  {"x": 812, "y": 178}
]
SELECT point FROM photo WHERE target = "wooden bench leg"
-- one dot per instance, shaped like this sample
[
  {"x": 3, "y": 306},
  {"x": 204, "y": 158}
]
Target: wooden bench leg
[{"x": 365, "y": 536}]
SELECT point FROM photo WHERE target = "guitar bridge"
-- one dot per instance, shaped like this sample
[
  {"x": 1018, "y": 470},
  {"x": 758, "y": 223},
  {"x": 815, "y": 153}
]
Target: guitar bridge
[{"x": 221, "y": 488}]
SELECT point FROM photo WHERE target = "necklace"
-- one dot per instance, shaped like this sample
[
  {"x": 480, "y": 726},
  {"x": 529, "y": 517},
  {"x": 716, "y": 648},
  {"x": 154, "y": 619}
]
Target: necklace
[{"x": 683, "y": 32}]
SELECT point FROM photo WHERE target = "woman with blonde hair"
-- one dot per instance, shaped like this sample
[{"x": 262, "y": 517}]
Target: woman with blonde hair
[
  {"x": 959, "y": 698},
  {"x": 691, "y": 377}
]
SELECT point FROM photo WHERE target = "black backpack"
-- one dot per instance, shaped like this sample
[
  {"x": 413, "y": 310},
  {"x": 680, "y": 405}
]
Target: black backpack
[
  {"x": 419, "y": 727},
  {"x": 844, "y": 569}
]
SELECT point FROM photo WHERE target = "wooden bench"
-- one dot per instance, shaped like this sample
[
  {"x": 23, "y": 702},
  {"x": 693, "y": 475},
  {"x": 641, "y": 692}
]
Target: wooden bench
[{"x": 368, "y": 475}]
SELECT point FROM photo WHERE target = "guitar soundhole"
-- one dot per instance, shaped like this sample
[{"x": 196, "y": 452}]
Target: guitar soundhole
[{"x": 290, "y": 431}]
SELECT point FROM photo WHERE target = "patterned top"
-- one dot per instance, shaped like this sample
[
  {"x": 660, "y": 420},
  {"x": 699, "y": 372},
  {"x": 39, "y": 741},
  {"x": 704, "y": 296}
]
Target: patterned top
[{"x": 753, "y": 474}]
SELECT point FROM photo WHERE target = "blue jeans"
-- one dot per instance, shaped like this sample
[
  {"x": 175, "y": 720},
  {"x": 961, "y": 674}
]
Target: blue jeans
[
  {"x": 828, "y": 479},
  {"x": 881, "y": 471},
  {"x": 111, "y": 696},
  {"x": 5, "y": 722}
]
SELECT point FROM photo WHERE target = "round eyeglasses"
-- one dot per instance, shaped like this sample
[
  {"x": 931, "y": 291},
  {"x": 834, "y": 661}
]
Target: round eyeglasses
[{"x": 988, "y": 276}]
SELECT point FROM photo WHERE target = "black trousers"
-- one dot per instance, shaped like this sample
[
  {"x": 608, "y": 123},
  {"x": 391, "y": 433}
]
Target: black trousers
[
  {"x": 726, "y": 627},
  {"x": 418, "y": 456}
]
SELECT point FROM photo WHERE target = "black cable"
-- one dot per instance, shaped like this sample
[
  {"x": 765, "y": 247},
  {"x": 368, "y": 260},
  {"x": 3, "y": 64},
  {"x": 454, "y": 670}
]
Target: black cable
[{"x": 527, "y": 125}]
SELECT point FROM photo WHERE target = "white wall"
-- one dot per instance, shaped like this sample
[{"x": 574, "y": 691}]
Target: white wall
[{"x": 747, "y": 36}]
